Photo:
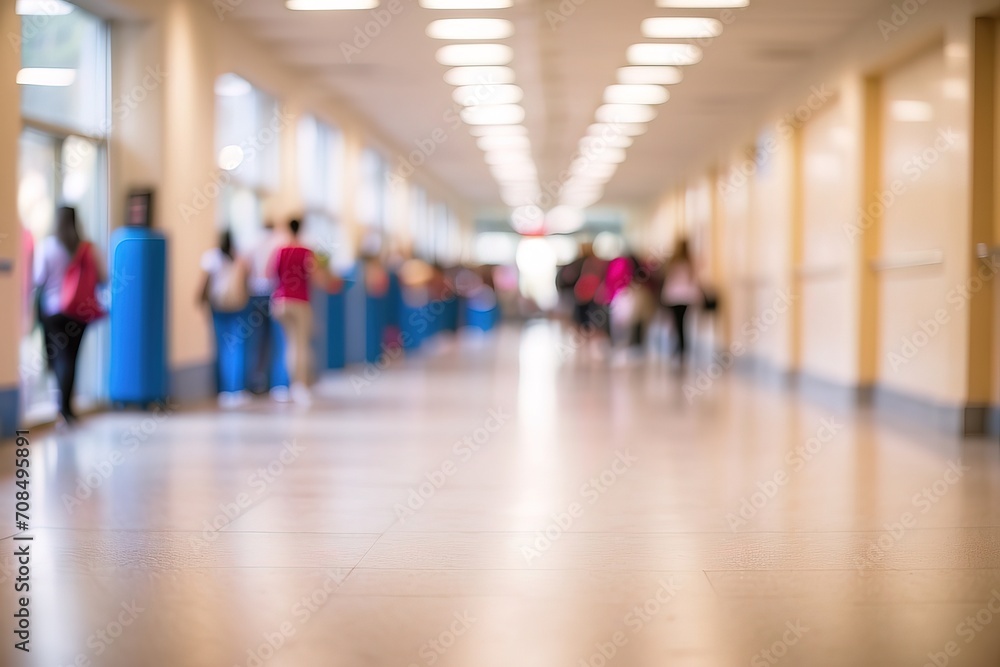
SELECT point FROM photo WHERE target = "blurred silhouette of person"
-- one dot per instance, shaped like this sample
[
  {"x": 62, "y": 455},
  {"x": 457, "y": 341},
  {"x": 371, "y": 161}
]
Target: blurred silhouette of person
[
  {"x": 295, "y": 267},
  {"x": 681, "y": 291},
  {"x": 66, "y": 270},
  {"x": 264, "y": 372},
  {"x": 224, "y": 291}
]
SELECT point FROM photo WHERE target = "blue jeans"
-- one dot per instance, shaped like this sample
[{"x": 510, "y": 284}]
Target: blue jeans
[
  {"x": 265, "y": 347},
  {"x": 230, "y": 349}
]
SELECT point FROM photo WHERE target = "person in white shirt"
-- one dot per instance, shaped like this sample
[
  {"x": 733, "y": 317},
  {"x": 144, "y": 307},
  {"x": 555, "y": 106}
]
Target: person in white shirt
[{"x": 681, "y": 290}]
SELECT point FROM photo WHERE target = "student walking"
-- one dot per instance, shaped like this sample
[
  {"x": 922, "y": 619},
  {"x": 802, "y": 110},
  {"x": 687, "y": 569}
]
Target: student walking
[
  {"x": 66, "y": 272},
  {"x": 681, "y": 290},
  {"x": 294, "y": 268},
  {"x": 225, "y": 292}
]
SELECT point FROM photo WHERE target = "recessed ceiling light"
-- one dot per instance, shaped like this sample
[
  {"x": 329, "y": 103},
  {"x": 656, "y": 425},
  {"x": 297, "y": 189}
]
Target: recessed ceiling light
[
  {"x": 664, "y": 54},
  {"x": 230, "y": 158},
  {"x": 466, "y": 4},
  {"x": 625, "y": 113},
  {"x": 703, "y": 4},
  {"x": 635, "y": 94},
  {"x": 470, "y": 29},
  {"x": 663, "y": 76},
  {"x": 42, "y": 8},
  {"x": 55, "y": 77},
  {"x": 499, "y": 114},
  {"x": 680, "y": 27},
  {"x": 471, "y": 96},
  {"x": 329, "y": 5},
  {"x": 479, "y": 76},
  {"x": 457, "y": 55}
]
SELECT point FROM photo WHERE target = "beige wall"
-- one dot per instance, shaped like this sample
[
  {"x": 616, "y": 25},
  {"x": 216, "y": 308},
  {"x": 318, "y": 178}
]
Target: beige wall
[
  {"x": 922, "y": 328},
  {"x": 802, "y": 219},
  {"x": 10, "y": 228},
  {"x": 826, "y": 273}
]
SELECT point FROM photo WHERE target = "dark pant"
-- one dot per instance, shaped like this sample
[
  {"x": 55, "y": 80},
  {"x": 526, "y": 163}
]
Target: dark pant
[
  {"x": 63, "y": 336},
  {"x": 679, "y": 313}
]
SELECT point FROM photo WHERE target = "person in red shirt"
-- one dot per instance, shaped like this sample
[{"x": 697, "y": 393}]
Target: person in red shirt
[{"x": 294, "y": 268}]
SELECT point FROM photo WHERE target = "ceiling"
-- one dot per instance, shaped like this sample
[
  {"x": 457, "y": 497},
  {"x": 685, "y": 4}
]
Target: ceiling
[{"x": 563, "y": 67}]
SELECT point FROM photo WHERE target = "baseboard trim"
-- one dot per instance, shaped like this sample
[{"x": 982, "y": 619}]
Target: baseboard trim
[
  {"x": 955, "y": 419},
  {"x": 10, "y": 411},
  {"x": 766, "y": 372},
  {"x": 832, "y": 393},
  {"x": 192, "y": 383}
]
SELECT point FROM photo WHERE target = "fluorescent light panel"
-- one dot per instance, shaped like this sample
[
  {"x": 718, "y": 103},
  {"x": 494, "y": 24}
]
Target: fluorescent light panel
[
  {"x": 329, "y": 5},
  {"x": 680, "y": 27},
  {"x": 469, "y": 29},
  {"x": 457, "y": 55},
  {"x": 479, "y": 76},
  {"x": 52, "y": 77},
  {"x": 635, "y": 94},
  {"x": 466, "y": 4}
]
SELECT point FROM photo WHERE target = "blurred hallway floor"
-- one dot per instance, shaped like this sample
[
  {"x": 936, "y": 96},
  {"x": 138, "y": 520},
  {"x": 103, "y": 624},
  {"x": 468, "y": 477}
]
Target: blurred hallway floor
[{"x": 504, "y": 503}]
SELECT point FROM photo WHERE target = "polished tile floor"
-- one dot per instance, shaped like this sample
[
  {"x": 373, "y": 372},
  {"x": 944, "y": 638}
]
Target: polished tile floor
[{"x": 509, "y": 502}]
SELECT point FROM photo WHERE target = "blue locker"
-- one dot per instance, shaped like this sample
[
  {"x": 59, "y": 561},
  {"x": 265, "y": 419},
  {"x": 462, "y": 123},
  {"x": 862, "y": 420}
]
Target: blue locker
[{"x": 138, "y": 317}]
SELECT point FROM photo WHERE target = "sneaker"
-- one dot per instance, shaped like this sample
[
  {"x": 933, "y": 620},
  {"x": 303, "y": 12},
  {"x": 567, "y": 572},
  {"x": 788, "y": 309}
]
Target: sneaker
[
  {"x": 228, "y": 400},
  {"x": 280, "y": 394}
]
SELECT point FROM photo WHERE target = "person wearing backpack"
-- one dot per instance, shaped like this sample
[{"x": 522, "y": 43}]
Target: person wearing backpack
[
  {"x": 66, "y": 271},
  {"x": 225, "y": 292}
]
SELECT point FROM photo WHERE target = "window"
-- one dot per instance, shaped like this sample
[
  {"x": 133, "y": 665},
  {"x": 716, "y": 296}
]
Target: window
[
  {"x": 62, "y": 162},
  {"x": 321, "y": 167},
  {"x": 374, "y": 189},
  {"x": 248, "y": 126}
]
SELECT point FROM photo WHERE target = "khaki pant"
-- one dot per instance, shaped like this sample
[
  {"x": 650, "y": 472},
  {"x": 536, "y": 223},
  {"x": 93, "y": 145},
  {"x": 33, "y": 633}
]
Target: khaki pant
[{"x": 296, "y": 319}]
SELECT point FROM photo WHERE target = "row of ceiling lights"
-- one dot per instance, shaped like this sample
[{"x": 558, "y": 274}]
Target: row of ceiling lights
[
  {"x": 485, "y": 88},
  {"x": 630, "y": 103}
]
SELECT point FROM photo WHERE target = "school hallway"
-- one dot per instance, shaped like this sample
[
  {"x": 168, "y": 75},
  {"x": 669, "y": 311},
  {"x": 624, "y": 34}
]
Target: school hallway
[{"x": 508, "y": 500}]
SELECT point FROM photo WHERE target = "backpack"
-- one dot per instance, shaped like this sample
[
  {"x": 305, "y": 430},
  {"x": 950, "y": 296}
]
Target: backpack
[
  {"x": 228, "y": 291},
  {"x": 78, "y": 296}
]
